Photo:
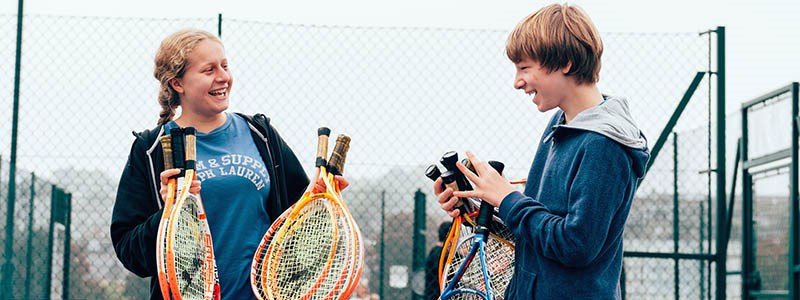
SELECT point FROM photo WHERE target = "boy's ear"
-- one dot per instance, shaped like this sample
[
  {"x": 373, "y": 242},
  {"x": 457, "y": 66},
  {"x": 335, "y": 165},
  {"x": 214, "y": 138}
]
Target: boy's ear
[
  {"x": 176, "y": 85},
  {"x": 567, "y": 68}
]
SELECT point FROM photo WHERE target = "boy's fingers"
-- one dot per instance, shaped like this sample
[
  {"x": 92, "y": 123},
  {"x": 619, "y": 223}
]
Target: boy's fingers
[
  {"x": 437, "y": 186},
  {"x": 471, "y": 176}
]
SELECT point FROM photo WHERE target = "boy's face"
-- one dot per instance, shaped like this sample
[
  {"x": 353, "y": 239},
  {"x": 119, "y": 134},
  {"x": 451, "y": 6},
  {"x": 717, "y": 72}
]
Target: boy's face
[{"x": 547, "y": 88}]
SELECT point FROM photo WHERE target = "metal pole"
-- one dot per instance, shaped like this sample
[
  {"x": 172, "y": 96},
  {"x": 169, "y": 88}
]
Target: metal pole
[
  {"x": 675, "y": 214},
  {"x": 8, "y": 266},
  {"x": 418, "y": 252},
  {"x": 219, "y": 25},
  {"x": 722, "y": 248},
  {"x": 29, "y": 254},
  {"x": 702, "y": 250},
  {"x": 794, "y": 215},
  {"x": 48, "y": 274},
  {"x": 383, "y": 231},
  {"x": 748, "y": 255},
  {"x": 67, "y": 198}
]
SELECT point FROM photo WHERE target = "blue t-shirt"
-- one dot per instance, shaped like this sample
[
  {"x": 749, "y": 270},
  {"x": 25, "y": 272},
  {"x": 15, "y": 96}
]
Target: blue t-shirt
[{"x": 235, "y": 184}]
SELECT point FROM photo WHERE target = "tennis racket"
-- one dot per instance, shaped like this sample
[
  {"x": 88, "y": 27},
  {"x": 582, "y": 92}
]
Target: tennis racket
[
  {"x": 487, "y": 237},
  {"x": 173, "y": 149},
  {"x": 313, "y": 250},
  {"x": 191, "y": 268},
  {"x": 163, "y": 281}
]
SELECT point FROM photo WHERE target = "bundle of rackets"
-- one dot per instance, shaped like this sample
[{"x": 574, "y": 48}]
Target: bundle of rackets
[
  {"x": 184, "y": 250},
  {"x": 314, "y": 249},
  {"x": 476, "y": 233}
]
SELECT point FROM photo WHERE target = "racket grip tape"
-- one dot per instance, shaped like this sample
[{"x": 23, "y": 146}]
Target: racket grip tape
[
  {"x": 323, "y": 133},
  {"x": 484, "y": 218},
  {"x": 178, "y": 156},
  {"x": 190, "y": 136},
  {"x": 432, "y": 172},
  {"x": 449, "y": 180},
  {"x": 496, "y": 165},
  {"x": 166, "y": 149},
  {"x": 449, "y": 160},
  {"x": 339, "y": 154}
]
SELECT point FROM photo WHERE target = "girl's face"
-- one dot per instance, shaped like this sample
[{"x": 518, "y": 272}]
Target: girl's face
[{"x": 206, "y": 84}]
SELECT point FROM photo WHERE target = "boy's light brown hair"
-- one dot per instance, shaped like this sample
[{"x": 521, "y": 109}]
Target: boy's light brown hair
[{"x": 556, "y": 35}]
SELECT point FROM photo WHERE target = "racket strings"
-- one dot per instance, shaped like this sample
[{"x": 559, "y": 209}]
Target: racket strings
[
  {"x": 189, "y": 252},
  {"x": 302, "y": 252},
  {"x": 499, "y": 259}
]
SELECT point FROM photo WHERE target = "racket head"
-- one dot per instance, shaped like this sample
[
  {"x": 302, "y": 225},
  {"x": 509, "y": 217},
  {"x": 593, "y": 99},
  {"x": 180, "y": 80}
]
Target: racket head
[
  {"x": 475, "y": 256},
  {"x": 301, "y": 253},
  {"x": 257, "y": 269},
  {"x": 190, "y": 259}
]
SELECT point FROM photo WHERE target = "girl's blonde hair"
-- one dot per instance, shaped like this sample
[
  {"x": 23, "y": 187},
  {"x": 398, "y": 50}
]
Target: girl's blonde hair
[
  {"x": 556, "y": 36},
  {"x": 171, "y": 63}
]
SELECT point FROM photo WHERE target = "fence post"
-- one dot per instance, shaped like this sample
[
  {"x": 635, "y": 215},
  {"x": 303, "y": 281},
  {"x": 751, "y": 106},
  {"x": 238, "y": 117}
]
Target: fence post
[
  {"x": 418, "y": 258},
  {"x": 722, "y": 248},
  {"x": 54, "y": 192},
  {"x": 383, "y": 249},
  {"x": 66, "y": 198},
  {"x": 676, "y": 220},
  {"x": 8, "y": 265},
  {"x": 29, "y": 254}
]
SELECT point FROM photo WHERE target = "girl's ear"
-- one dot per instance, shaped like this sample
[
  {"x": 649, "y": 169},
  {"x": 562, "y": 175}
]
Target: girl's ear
[{"x": 176, "y": 85}]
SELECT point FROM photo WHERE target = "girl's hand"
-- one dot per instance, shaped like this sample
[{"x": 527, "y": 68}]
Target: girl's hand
[
  {"x": 319, "y": 186},
  {"x": 194, "y": 188}
]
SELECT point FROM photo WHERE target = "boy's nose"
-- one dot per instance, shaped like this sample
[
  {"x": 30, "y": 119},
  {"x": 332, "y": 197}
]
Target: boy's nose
[{"x": 519, "y": 83}]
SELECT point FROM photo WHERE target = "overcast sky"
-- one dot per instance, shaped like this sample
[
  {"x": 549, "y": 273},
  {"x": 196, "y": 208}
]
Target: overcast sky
[{"x": 762, "y": 36}]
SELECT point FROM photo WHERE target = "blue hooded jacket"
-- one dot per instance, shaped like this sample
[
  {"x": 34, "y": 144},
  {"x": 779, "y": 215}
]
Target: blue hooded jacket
[{"x": 569, "y": 222}]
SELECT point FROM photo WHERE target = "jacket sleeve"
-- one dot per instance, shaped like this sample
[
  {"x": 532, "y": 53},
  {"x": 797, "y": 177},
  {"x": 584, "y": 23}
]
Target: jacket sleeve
[
  {"x": 296, "y": 179},
  {"x": 136, "y": 215},
  {"x": 595, "y": 202}
]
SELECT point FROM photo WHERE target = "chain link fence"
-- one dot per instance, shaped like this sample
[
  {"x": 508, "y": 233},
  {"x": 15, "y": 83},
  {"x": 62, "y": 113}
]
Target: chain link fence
[{"x": 405, "y": 96}]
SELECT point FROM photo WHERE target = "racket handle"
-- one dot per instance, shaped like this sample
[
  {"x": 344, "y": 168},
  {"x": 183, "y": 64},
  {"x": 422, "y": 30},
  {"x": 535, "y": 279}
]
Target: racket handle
[
  {"x": 322, "y": 146},
  {"x": 449, "y": 180},
  {"x": 432, "y": 172},
  {"x": 190, "y": 135},
  {"x": 178, "y": 156},
  {"x": 336, "y": 163},
  {"x": 449, "y": 160},
  {"x": 166, "y": 149},
  {"x": 484, "y": 218},
  {"x": 496, "y": 165}
]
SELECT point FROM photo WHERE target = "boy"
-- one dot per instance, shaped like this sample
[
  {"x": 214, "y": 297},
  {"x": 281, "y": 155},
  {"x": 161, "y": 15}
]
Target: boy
[{"x": 569, "y": 221}]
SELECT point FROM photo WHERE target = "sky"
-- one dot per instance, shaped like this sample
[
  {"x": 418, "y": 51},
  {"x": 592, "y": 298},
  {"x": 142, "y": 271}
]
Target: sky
[{"x": 762, "y": 43}]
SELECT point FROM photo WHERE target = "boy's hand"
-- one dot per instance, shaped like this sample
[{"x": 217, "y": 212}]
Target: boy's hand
[
  {"x": 487, "y": 184},
  {"x": 446, "y": 199}
]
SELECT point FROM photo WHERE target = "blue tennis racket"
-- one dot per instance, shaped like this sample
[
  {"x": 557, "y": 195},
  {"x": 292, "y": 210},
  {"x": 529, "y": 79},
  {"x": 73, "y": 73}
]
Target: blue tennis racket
[{"x": 485, "y": 238}]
